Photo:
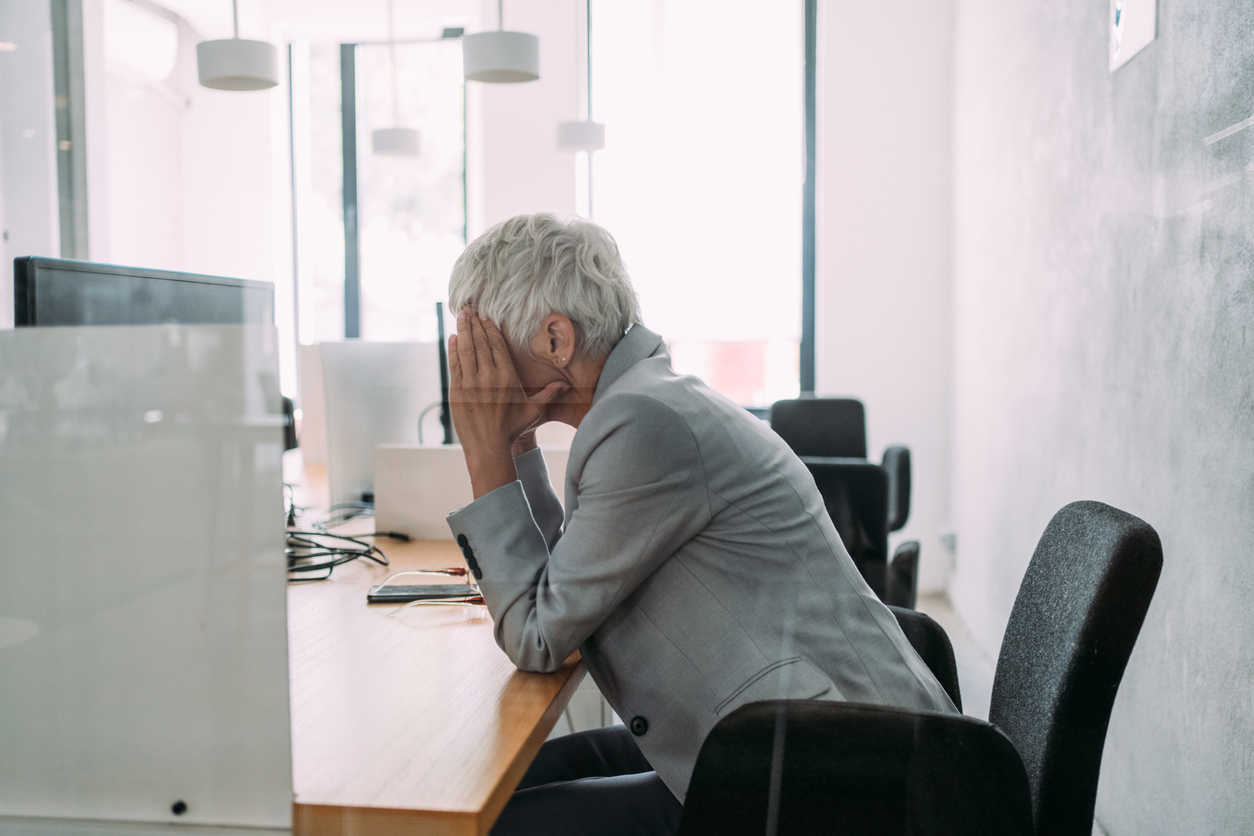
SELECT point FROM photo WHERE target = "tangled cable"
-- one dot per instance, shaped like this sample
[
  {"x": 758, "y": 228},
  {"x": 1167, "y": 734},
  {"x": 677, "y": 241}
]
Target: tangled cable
[{"x": 319, "y": 551}]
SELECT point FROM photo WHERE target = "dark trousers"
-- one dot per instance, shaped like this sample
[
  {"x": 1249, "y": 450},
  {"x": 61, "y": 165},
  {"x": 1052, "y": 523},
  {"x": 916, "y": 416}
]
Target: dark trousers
[{"x": 595, "y": 783}]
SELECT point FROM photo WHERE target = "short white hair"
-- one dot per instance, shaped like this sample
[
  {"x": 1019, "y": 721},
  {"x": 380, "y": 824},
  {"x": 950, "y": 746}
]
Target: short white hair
[{"x": 520, "y": 272}]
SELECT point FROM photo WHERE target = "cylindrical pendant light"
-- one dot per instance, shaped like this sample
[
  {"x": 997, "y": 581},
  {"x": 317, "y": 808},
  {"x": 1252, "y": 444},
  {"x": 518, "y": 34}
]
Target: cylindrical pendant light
[
  {"x": 236, "y": 64},
  {"x": 580, "y": 136},
  {"x": 501, "y": 57},
  {"x": 395, "y": 141},
  {"x": 584, "y": 135}
]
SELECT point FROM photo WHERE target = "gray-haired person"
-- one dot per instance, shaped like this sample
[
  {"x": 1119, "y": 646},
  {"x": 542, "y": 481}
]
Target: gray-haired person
[{"x": 693, "y": 567}]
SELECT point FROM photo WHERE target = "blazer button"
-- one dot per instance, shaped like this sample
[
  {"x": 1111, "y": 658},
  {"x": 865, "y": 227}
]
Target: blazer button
[
  {"x": 469, "y": 554},
  {"x": 639, "y": 726}
]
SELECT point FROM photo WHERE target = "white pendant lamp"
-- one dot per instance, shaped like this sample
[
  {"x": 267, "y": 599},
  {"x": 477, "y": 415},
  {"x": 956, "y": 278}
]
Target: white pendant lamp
[
  {"x": 580, "y": 136},
  {"x": 236, "y": 64},
  {"x": 501, "y": 57},
  {"x": 584, "y": 135},
  {"x": 395, "y": 141}
]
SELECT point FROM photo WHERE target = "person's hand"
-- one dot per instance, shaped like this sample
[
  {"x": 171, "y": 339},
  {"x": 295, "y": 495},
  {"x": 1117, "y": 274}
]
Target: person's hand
[{"x": 490, "y": 409}]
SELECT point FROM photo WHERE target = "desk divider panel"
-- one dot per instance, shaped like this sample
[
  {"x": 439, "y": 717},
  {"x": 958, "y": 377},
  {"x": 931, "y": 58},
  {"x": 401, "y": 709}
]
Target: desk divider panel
[{"x": 143, "y": 633}]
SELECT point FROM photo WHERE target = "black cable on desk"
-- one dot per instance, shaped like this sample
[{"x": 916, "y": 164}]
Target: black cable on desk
[
  {"x": 307, "y": 552},
  {"x": 342, "y": 512}
]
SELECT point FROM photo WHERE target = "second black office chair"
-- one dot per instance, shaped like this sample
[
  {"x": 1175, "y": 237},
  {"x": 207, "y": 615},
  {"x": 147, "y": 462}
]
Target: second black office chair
[
  {"x": 932, "y": 644},
  {"x": 1078, "y": 613},
  {"x": 866, "y": 501}
]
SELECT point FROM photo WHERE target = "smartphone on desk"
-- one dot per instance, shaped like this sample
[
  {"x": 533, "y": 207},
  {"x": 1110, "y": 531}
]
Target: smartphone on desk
[{"x": 428, "y": 592}]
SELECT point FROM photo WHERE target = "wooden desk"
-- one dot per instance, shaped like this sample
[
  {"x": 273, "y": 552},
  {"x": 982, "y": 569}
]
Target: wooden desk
[{"x": 412, "y": 724}]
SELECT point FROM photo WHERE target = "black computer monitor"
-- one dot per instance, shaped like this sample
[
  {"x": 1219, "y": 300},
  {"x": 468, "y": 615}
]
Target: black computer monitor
[
  {"x": 55, "y": 291},
  {"x": 58, "y": 291}
]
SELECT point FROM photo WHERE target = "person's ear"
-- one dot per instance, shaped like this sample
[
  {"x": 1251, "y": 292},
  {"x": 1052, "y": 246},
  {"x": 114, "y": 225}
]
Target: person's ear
[{"x": 555, "y": 342}]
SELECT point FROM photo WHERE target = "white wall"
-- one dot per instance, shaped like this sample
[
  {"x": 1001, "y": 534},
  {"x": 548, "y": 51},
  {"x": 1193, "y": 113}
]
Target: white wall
[
  {"x": 884, "y": 331},
  {"x": 514, "y": 165}
]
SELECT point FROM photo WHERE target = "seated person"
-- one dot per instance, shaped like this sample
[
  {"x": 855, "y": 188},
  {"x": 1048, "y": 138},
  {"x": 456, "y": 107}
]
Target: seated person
[{"x": 693, "y": 567}]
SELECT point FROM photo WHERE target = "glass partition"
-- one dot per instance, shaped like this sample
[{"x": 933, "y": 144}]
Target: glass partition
[{"x": 143, "y": 611}]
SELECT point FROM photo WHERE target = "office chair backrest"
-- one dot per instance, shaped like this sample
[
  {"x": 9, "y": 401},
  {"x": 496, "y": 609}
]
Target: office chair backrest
[
  {"x": 856, "y": 497},
  {"x": 833, "y": 427},
  {"x": 932, "y": 644},
  {"x": 802, "y": 767},
  {"x": 1074, "y": 622}
]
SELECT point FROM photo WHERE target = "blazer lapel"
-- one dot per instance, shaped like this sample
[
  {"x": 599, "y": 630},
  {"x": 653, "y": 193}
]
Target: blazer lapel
[{"x": 637, "y": 344}]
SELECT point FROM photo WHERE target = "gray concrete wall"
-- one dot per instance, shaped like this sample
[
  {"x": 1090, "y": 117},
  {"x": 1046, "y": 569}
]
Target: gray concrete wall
[{"x": 1104, "y": 331}]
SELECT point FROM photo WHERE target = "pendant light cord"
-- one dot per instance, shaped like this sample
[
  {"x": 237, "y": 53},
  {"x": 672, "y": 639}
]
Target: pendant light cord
[
  {"x": 396, "y": 106},
  {"x": 500, "y": 15},
  {"x": 235, "y": 16},
  {"x": 588, "y": 46}
]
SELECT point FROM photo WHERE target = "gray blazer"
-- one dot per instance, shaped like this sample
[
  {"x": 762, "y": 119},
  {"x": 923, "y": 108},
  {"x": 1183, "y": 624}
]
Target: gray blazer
[{"x": 695, "y": 567}]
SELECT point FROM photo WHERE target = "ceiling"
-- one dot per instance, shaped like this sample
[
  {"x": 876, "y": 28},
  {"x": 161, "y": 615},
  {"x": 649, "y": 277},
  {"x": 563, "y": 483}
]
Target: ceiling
[{"x": 330, "y": 21}]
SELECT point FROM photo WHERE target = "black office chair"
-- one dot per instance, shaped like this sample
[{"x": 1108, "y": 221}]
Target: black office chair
[
  {"x": 902, "y": 582},
  {"x": 727, "y": 791},
  {"x": 1078, "y": 613},
  {"x": 805, "y": 768},
  {"x": 1074, "y": 623},
  {"x": 289, "y": 425},
  {"x": 865, "y": 501},
  {"x": 826, "y": 427},
  {"x": 932, "y": 644}
]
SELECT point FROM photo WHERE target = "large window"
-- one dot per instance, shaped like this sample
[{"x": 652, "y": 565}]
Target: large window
[
  {"x": 318, "y": 167},
  {"x": 701, "y": 179},
  {"x": 410, "y": 210},
  {"x": 701, "y": 182}
]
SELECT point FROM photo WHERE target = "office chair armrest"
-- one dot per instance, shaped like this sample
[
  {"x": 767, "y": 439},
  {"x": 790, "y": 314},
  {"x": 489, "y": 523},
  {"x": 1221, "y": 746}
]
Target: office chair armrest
[
  {"x": 862, "y": 484},
  {"x": 897, "y": 463},
  {"x": 855, "y": 494},
  {"x": 931, "y": 642},
  {"x": 902, "y": 583}
]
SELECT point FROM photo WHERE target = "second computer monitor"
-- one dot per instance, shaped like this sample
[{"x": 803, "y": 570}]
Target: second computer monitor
[{"x": 374, "y": 394}]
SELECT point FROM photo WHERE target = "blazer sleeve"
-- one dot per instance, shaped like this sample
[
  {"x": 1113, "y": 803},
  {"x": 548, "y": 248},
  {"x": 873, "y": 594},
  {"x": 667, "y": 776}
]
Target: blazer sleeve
[
  {"x": 546, "y": 509},
  {"x": 641, "y": 495}
]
